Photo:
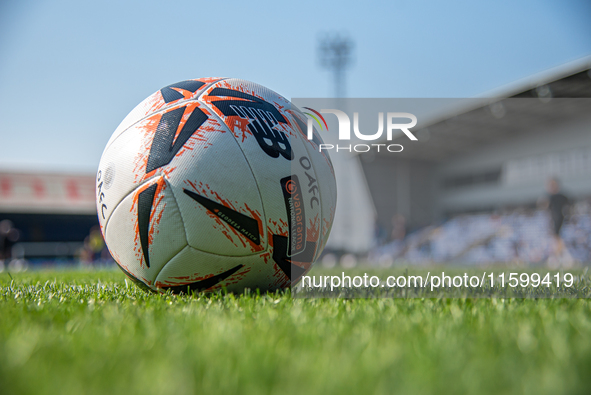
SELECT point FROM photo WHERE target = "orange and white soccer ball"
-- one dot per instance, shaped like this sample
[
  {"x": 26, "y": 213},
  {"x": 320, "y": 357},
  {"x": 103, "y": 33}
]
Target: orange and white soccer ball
[{"x": 212, "y": 183}]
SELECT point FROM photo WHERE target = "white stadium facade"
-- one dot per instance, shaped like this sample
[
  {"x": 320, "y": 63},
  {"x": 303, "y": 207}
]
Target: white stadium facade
[{"x": 493, "y": 155}]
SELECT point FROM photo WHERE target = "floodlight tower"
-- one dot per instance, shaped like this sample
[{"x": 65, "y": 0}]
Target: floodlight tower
[
  {"x": 353, "y": 219},
  {"x": 334, "y": 52}
]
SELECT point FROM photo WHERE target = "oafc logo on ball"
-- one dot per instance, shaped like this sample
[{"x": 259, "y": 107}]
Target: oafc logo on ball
[{"x": 344, "y": 132}]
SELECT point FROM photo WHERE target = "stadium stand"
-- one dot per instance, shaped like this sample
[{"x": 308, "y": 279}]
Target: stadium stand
[
  {"x": 52, "y": 213},
  {"x": 470, "y": 189},
  {"x": 519, "y": 236}
]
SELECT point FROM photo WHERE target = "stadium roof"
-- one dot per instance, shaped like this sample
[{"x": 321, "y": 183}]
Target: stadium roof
[
  {"x": 47, "y": 193},
  {"x": 473, "y": 123}
]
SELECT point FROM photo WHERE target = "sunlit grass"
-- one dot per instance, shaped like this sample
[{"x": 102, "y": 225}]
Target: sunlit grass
[{"x": 94, "y": 333}]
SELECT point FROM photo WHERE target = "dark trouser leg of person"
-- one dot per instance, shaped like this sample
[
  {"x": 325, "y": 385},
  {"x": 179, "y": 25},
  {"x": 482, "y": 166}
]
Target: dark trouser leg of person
[{"x": 558, "y": 220}]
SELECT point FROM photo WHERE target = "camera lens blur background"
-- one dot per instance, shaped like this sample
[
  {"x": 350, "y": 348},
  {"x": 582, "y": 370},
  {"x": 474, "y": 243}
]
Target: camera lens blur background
[{"x": 484, "y": 184}]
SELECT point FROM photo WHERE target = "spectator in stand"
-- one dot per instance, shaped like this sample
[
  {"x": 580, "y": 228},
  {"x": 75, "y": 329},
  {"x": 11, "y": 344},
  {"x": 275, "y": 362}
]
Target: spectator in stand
[
  {"x": 8, "y": 236},
  {"x": 557, "y": 205},
  {"x": 95, "y": 249},
  {"x": 380, "y": 235},
  {"x": 398, "y": 227}
]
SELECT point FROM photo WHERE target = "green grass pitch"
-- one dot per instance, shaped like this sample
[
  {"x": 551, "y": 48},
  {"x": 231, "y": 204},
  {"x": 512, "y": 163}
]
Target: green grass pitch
[{"x": 94, "y": 333}]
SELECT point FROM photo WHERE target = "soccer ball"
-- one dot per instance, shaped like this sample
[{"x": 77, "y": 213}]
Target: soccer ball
[{"x": 212, "y": 183}]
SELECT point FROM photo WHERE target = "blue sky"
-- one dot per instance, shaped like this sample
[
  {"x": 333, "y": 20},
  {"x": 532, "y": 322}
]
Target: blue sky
[{"x": 71, "y": 70}]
